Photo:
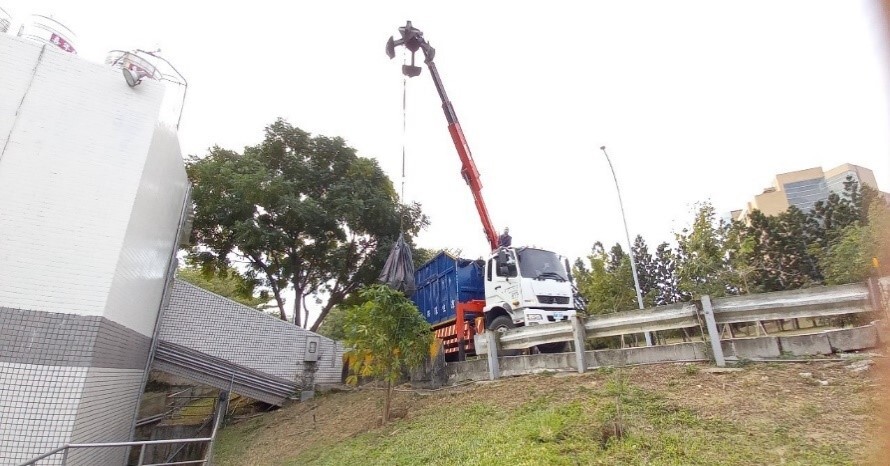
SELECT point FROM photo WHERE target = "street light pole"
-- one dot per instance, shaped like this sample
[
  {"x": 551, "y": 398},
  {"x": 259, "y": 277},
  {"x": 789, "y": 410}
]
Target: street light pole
[{"x": 630, "y": 251}]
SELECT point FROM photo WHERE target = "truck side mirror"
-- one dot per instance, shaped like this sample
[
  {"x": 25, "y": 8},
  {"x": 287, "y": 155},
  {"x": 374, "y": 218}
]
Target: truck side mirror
[
  {"x": 502, "y": 258},
  {"x": 568, "y": 270},
  {"x": 505, "y": 267}
]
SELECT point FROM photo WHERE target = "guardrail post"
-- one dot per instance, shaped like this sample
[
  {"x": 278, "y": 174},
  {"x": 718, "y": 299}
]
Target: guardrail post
[
  {"x": 713, "y": 334},
  {"x": 494, "y": 371},
  {"x": 580, "y": 336},
  {"x": 875, "y": 295}
]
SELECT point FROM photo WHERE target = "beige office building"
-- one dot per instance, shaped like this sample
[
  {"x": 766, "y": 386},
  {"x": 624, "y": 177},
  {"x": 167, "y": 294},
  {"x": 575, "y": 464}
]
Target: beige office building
[{"x": 803, "y": 188}]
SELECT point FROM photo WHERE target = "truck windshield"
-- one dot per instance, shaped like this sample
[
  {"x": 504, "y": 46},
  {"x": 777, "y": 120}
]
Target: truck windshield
[{"x": 535, "y": 263}]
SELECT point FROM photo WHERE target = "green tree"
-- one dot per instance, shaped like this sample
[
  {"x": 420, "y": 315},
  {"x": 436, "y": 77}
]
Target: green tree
[
  {"x": 847, "y": 257},
  {"x": 226, "y": 283},
  {"x": 851, "y": 256},
  {"x": 386, "y": 335},
  {"x": 738, "y": 246},
  {"x": 772, "y": 252},
  {"x": 849, "y": 231},
  {"x": 645, "y": 270},
  {"x": 870, "y": 197},
  {"x": 703, "y": 265},
  {"x": 798, "y": 243},
  {"x": 616, "y": 257},
  {"x": 664, "y": 275},
  {"x": 879, "y": 236},
  {"x": 302, "y": 212},
  {"x": 334, "y": 324},
  {"x": 423, "y": 255},
  {"x": 829, "y": 218},
  {"x": 579, "y": 267},
  {"x": 606, "y": 291}
]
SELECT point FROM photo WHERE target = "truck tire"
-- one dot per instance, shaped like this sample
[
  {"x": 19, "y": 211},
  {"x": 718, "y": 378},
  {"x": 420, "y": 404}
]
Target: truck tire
[{"x": 502, "y": 324}]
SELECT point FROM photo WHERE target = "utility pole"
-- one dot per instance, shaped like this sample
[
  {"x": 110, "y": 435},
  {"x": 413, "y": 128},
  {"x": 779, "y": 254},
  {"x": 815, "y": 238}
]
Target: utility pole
[{"x": 630, "y": 251}]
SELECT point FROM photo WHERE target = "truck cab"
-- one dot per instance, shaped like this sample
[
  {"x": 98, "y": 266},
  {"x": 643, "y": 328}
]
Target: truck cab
[{"x": 526, "y": 286}]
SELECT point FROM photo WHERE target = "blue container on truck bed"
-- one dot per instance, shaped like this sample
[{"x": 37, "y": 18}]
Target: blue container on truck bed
[{"x": 443, "y": 282}]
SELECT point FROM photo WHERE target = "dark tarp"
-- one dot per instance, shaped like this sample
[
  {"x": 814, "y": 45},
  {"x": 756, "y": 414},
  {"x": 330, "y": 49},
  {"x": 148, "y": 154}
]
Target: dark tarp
[{"x": 398, "y": 272}]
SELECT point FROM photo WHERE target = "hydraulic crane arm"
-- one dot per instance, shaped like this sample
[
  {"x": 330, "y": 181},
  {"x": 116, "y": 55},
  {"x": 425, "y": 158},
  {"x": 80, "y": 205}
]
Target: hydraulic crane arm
[{"x": 412, "y": 39}]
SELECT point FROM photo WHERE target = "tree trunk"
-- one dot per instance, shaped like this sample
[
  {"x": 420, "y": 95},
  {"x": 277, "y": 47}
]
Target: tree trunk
[
  {"x": 335, "y": 299},
  {"x": 277, "y": 294},
  {"x": 297, "y": 305},
  {"x": 276, "y": 291},
  {"x": 305, "y": 312},
  {"x": 386, "y": 403},
  {"x": 295, "y": 279}
]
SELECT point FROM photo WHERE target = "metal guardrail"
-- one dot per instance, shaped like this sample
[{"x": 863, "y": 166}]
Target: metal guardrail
[
  {"x": 222, "y": 374},
  {"x": 64, "y": 450},
  {"x": 811, "y": 302},
  {"x": 670, "y": 317},
  {"x": 674, "y": 316},
  {"x": 823, "y": 301}
]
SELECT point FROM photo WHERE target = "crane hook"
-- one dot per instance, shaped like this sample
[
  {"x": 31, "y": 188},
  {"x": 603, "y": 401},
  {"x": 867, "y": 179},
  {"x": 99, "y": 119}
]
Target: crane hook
[{"x": 412, "y": 39}]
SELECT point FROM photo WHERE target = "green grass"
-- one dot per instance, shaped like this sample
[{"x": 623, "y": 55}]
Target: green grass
[{"x": 551, "y": 431}]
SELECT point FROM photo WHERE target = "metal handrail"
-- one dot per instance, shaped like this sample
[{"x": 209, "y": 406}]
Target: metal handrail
[
  {"x": 142, "y": 443},
  {"x": 64, "y": 449}
]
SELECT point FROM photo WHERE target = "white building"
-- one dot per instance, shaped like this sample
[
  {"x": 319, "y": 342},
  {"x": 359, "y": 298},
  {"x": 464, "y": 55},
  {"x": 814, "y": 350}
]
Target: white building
[{"x": 92, "y": 192}]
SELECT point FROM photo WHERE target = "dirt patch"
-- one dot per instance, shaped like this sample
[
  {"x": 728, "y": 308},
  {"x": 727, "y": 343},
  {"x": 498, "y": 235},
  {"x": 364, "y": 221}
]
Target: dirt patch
[
  {"x": 831, "y": 406},
  {"x": 879, "y": 416}
]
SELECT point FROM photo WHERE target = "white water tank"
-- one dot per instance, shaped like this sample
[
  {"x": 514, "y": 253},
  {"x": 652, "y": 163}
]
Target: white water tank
[
  {"x": 44, "y": 29},
  {"x": 5, "y": 20},
  {"x": 141, "y": 65}
]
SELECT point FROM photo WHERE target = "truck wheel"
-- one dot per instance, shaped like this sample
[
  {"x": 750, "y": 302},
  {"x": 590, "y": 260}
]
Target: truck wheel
[{"x": 502, "y": 324}]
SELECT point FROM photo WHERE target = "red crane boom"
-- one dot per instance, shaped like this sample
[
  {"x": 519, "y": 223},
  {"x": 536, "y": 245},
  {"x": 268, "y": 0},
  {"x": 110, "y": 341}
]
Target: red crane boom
[{"x": 412, "y": 39}]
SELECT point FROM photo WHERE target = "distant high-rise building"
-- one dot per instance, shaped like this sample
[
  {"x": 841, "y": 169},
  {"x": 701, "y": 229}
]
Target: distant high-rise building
[
  {"x": 836, "y": 177},
  {"x": 803, "y": 188}
]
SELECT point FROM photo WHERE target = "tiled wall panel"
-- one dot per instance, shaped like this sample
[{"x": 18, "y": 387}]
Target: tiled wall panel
[
  {"x": 69, "y": 174},
  {"x": 150, "y": 241},
  {"x": 38, "y": 408},
  {"x": 91, "y": 191},
  {"x": 66, "y": 378},
  {"x": 106, "y": 413},
  {"x": 217, "y": 326}
]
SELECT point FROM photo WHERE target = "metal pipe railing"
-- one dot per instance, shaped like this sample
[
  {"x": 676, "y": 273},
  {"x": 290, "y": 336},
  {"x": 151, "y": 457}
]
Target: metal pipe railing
[
  {"x": 141, "y": 444},
  {"x": 220, "y": 415}
]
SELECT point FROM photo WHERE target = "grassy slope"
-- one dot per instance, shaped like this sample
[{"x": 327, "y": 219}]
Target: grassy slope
[{"x": 766, "y": 414}]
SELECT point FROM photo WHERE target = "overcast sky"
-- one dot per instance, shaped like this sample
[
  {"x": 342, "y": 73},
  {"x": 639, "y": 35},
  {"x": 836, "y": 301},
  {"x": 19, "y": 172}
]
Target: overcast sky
[{"x": 695, "y": 100}]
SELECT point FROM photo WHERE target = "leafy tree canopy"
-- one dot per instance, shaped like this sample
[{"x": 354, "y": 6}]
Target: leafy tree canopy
[
  {"x": 842, "y": 239},
  {"x": 301, "y": 212},
  {"x": 386, "y": 334},
  {"x": 702, "y": 262},
  {"x": 608, "y": 283},
  {"x": 227, "y": 283}
]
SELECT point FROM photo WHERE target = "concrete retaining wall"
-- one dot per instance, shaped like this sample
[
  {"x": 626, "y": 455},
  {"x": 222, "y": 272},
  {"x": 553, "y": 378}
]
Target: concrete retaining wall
[
  {"x": 752, "y": 348},
  {"x": 852, "y": 339},
  {"x": 806, "y": 345}
]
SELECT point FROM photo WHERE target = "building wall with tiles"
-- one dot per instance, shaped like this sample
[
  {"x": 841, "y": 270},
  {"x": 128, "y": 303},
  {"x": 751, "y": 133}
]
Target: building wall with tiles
[
  {"x": 217, "y": 326},
  {"x": 83, "y": 165},
  {"x": 149, "y": 244}
]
